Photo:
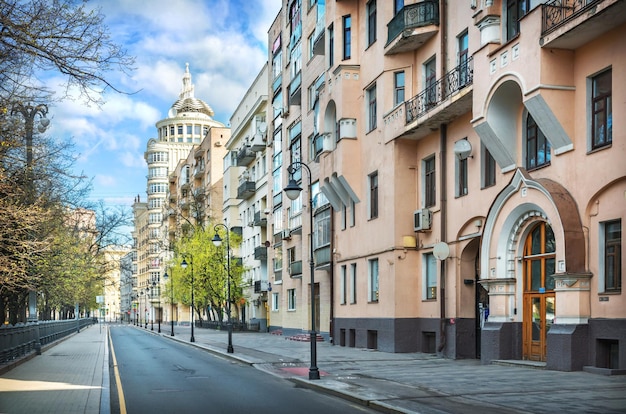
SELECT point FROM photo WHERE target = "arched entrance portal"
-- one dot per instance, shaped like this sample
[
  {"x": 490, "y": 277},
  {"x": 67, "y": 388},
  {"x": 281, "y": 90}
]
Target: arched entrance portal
[{"x": 538, "y": 263}]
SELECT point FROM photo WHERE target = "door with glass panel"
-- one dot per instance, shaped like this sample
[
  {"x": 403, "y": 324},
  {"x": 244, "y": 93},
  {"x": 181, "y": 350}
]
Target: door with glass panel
[{"x": 539, "y": 301}]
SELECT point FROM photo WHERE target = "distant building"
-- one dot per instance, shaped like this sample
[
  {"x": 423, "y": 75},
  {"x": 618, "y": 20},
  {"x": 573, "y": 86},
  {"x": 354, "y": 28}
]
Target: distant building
[{"x": 189, "y": 121}]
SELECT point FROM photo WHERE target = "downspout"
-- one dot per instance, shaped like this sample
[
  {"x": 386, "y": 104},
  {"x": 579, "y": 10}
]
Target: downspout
[
  {"x": 442, "y": 263},
  {"x": 331, "y": 329},
  {"x": 443, "y": 135}
]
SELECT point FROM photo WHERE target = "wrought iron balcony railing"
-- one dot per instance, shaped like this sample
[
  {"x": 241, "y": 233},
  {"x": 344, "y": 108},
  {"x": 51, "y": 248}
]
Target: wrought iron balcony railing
[{"x": 434, "y": 95}]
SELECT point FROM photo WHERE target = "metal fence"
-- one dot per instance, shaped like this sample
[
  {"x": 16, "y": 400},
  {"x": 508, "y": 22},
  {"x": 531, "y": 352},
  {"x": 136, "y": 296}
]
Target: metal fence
[
  {"x": 19, "y": 340},
  {"x": 237, "y": 326}
]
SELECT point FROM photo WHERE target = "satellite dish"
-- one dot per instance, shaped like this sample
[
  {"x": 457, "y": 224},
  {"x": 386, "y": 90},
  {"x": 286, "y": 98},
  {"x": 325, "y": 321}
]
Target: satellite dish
[
  {"x": 441, "y": 251},
  {"x": 463, "y": 149},
  {"x": 262, "y": 127}
]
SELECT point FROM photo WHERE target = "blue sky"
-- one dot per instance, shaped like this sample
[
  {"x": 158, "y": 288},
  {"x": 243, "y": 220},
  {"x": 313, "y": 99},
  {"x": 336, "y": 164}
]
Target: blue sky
[{"x": 225, "y": 44}]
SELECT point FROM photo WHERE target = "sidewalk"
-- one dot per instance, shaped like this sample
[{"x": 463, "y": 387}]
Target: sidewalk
[
  {"x": 72, "y": 377},
  {"x": 69, "y": 377}
]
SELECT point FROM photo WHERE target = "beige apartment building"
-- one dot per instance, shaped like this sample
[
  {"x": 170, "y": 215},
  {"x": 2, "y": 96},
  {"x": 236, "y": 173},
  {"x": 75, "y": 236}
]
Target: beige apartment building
[
  {"x": 467, "y": 190},
  {"x": 245, "y": 207}
]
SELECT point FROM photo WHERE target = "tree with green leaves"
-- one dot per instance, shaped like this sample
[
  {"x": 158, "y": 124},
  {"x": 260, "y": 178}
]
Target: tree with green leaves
[{"x": 209, "y": 264}]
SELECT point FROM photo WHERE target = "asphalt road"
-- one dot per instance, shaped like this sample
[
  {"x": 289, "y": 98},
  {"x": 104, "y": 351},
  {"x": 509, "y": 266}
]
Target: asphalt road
[{"x": 157, "y": 375}]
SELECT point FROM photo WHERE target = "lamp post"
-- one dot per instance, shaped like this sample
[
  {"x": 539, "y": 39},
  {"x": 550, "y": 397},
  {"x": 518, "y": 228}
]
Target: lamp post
[
  {"x": 217, "y": 241},
  {"x": 29, "y": 112},
  {"x": 165, "y": 276},
  {"x": 293, "y": 191},
  {"x": 145, "y": 312},
  {"x": 183, "y": 264},
  {"x": 154, "y": 286}
]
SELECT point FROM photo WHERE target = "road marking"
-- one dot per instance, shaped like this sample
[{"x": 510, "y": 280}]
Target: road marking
[{"x": 118, "y": 380}]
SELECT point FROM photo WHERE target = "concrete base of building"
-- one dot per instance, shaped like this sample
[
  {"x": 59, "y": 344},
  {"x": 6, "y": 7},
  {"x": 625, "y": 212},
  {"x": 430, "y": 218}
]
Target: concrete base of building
[{"x": 404, "y": 335}]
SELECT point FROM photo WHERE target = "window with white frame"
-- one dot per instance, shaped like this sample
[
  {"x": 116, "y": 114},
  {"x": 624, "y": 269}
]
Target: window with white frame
[
  {"x": 353, "y": 283},
  {"x": 373, "y": 195},
  {"x": 398, "y": 85},
  {"x": 429, "y": 271},
  {"x": 291, "y": 299},
  {"x": 343, "y": 285},
  {"x": 373, "y": 280},
  {"x": 275, "y": 302}
]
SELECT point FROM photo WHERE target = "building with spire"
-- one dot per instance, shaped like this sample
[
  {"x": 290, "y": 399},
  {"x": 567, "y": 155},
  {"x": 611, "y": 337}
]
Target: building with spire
[{"x": 181, "y": 133}]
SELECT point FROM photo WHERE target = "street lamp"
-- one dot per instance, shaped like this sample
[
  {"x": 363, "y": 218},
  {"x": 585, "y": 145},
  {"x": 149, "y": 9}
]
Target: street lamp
[
  {"x": 183, "y": 264},
  {"x": 217, "y": 241},
  {"x": 293, "y": 191},
  {"x": 165, "y": 276},
  {"x": 146, "y": 308},
  {"x": 154, "y": 285},
  {"x": 29, "y": 112}
]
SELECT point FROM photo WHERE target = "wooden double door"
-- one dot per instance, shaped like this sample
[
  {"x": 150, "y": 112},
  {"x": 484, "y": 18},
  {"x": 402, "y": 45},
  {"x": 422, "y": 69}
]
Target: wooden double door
[{"x": 539, "y": 297}]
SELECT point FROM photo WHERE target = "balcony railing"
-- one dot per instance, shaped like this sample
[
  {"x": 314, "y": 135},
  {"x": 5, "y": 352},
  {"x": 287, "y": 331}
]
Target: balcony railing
[
  {"x": 295, "y": 268},
  {"x": 295, "y": 89},
  {"x": 260, "y": 253},
  {"x": 412, "y": 16},
  {"x": 558, "y": 12},
  {"x": 431, "y": 97},
  {"x": 246, "y": 190},
  {"x": 245, "y": 156},
  {"x": 260, "y": 219}
]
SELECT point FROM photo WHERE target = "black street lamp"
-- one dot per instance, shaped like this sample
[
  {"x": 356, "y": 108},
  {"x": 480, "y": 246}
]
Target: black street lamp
[
  {"x": 146, "y": 309},
  {"x": 29, "y": 112},
  {"x": 158, "y": 309},
  {"x": 293, "y": 191},
  {"x": 165, "y": 276},
  {"x": 183, "y": 264},
  {"x": 217, "y": 241}
]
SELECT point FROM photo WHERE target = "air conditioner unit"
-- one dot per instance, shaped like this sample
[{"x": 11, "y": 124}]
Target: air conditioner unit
[
  {"x": 422, "y": 219},
  {"x": 286, "y": 235}
]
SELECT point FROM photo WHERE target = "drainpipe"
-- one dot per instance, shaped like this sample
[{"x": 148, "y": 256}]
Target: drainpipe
[
  {"x": 442, "y": 264},
  {"x": 331, "y": 327},
  {"x": 443, "y": 131}
]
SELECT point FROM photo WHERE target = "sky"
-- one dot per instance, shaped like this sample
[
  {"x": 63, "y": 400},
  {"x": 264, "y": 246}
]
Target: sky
[{"x": 225, "y": 44}]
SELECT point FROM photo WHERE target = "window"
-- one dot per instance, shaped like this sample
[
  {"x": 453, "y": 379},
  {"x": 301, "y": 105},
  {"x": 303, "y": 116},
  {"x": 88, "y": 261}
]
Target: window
[
  {"x": 430, "y": 276},
  {"x": 463, "y": 42},
  {"x": 373, "y": 199},
  {"x": 515, "y": 10},
  {"x": 602, "y": 111},
  {"x": 430, "y": 192},
  {"x": 489, "y": 169},
  {"x": 291, "y": 299},
  {"x": 373, "y": 280},
  {"x": 275, "y": 302},
  {"x": 180, "y": 130},
  {"x": 461, "y": 176},
  {"x": 311, "y": 43},
  {"x": 331, "y": 45},
  {"x": 353, "y": 283},
  {"x": 537, "y": 146},
  {"x": 371, "y": 22},
  {"x": 430, "y": 82},
  {"x": 371, "y": 108},
  {"x": 398, "y": 85},
  {"x": 612, "y": 256},
  {"x": 397, "y": 6},
  {"x": 343, "y": 287},
  {"x": 347, "y": 37}
]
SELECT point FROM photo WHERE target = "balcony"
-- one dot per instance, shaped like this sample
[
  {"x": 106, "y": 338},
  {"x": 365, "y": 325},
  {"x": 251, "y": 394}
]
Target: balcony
[
  {"x": 260, "y": 219},
  {"x": 246, "y": 190},
  {"x": 295, "y": 89},
  {"x": 569, "y": 24},
  {"x": 245, "y": 156},
  {"x": 295, "y": 268},
  {"x": 198, "y": 171},
  {"x": 322, "y": 257},
  {"x": 260, "y": 253},
  {"x": 444, "y": 101},
  {"x": 412, "y": 27}
]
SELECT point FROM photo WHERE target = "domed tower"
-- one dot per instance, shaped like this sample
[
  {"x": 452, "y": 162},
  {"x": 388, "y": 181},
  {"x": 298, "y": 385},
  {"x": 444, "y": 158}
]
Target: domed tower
[{"x": 188, "y": 122}]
